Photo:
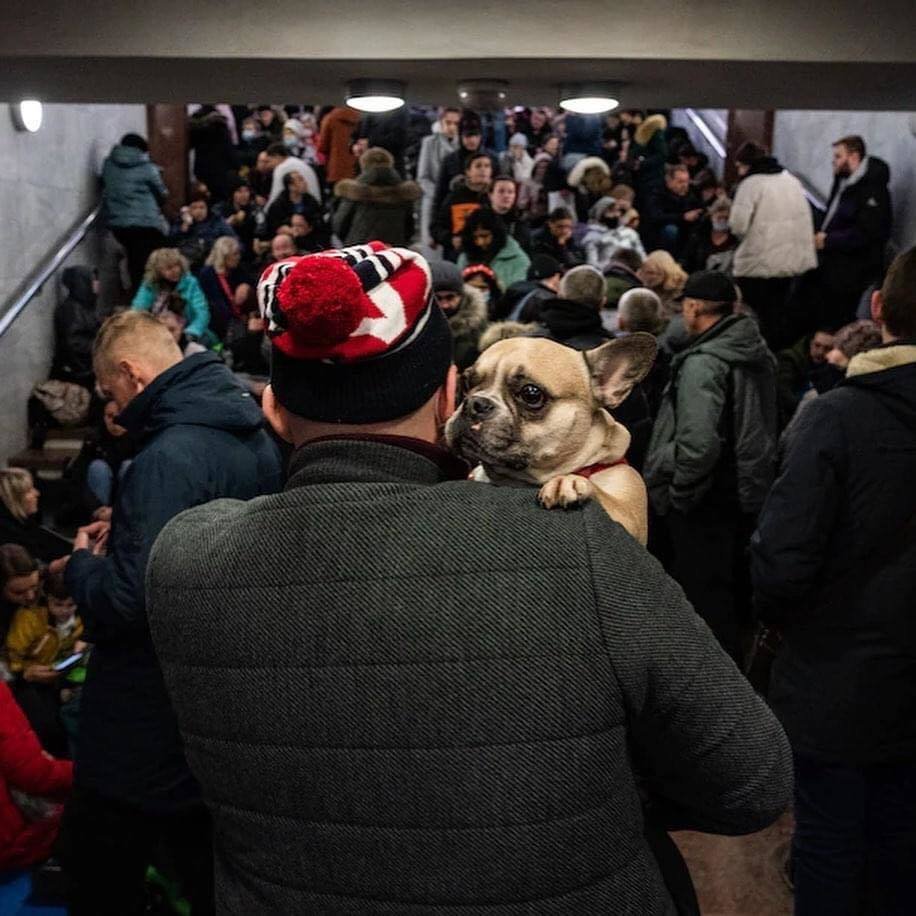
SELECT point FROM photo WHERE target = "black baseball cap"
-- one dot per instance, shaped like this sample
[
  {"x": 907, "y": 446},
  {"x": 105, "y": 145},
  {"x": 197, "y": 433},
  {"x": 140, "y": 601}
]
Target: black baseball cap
[{"x": 710, "y": 286}]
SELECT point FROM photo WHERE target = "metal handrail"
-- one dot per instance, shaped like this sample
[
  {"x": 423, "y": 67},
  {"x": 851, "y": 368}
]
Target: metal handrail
[
  {"x": 32, "y": 286},
  {"x": 815, "y": 198}
]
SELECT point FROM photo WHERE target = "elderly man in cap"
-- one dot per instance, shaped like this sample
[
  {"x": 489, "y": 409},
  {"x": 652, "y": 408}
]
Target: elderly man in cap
[
  {"x": 404, "y": 692},
  {"x": 712, "y": 455}
]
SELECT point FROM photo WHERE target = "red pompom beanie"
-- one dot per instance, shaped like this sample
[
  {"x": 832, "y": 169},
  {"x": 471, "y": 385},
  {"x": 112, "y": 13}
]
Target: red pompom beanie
[{"x": 356, "y": 335}]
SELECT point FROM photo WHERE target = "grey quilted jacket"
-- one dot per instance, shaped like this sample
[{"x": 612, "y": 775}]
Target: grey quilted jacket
[
  {"x": 403, "y": 694},
  {"x": 715, "y": 435}
]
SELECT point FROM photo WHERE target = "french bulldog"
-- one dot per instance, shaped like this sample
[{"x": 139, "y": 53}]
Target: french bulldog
[{"x": 536, "y": 413}]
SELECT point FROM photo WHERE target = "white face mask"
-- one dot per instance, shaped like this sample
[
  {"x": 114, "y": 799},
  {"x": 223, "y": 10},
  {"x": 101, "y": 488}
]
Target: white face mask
[{"x": 485, "y": 295}]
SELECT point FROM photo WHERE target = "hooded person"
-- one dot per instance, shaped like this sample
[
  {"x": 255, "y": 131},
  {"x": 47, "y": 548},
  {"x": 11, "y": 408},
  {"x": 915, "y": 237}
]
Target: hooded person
[
  {"x": 484, "y": 240},
  {"x": 132, "y": 193},
  {"x": 606, "y": 234},
  {"x": 591, "y": 179},
  {"x": 76, "y": 322},
  {"x": 465, "y": 309},
  {"x": 516, "y": 162},
  {"x": 423, "y": 630},
  {"x": 377, "y": 205},
  {"x": 648, "y": 155}
]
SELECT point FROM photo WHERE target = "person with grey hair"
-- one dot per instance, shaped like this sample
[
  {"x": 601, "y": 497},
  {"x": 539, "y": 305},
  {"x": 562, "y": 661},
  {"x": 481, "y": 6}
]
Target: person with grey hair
[{"x": 639, "y": 310}]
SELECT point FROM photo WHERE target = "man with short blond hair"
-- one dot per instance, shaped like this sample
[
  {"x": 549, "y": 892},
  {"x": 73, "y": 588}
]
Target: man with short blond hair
[{"x": 200, "y": 437}]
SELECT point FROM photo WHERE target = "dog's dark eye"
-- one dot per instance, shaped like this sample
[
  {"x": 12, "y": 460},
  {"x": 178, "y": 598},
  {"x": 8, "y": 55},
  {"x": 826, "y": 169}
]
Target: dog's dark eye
[{"x": 532, "y": 396}]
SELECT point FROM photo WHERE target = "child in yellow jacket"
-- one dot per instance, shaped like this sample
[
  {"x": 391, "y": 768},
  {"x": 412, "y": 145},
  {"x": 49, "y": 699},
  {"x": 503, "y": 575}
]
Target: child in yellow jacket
[{"x": 40, "y": 636}]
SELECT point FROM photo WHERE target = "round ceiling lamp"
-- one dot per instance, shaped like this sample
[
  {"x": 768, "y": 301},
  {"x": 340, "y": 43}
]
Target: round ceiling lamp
[
  {"x": 483, "y": 94},
  {"x": 592, "y": 98},
  {"x": 27, "y": 115},
  {"x": 375, "y": 96}
]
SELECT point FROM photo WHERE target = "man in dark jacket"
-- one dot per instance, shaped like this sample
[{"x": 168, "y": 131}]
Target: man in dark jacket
[
  {"x": 712, "y": 455},
  {"x": 834, "y": 564},
  {"x": 435, "y": 726},
  {"x": 200, "y": 437},
  {"x": 672, "y": 213},
  {"x": 555, "y": 238},
  {"x": 76, "y": 322},
  {"x": 855, "y": 229}
]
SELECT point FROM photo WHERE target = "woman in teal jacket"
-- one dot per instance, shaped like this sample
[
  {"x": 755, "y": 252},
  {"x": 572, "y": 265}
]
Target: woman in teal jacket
[
  {"x": 169, "y": 284},
  {"x": 485, "y": 240}
]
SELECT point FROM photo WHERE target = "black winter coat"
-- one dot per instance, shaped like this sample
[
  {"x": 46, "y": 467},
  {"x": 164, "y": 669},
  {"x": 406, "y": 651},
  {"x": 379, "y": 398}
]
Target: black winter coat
[
  {"x": 383, "y": 723},
  {"x": 844, "y": 685},
  {"x": 76, "y": 322},
  {"x": 859, "y": 229},
  {"x": 200, "y": 437},
  {"x": 42, "y": 544}
]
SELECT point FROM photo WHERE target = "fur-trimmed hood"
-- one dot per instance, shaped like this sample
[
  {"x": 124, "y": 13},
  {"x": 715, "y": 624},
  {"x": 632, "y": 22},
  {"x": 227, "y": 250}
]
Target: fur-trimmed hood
[
  {"x": 649, "y": 128},
  {"x": 378, "y": 185},
  {"x": 471, "y": 316},
  {"x": 582, "y": 166}
]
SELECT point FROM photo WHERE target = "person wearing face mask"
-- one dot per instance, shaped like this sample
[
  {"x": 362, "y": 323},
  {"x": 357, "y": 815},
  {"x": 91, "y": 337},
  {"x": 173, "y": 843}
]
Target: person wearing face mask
[
  {"x": 771, "y": 216},
  {"x": 606, "y": 234},
  {"x": 712, "y": 245},
  {"x": 251, "y": 142},
  {"x": 482, "y": 278},
  {"x": 464, "y": 306},
  {"x": 200, "y": 437},
  {"x": 855, "y": 229}
]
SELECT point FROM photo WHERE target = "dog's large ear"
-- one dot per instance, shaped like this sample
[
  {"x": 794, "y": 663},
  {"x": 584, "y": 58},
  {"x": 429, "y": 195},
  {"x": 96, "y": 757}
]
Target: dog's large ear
[{"x": 618, "y": 365}]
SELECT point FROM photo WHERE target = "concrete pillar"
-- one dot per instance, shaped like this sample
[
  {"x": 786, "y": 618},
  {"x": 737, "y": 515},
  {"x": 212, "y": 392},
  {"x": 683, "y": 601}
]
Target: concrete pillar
[
  {"x": 746, "y": 124},
  {"x": 167, "y": 131}
]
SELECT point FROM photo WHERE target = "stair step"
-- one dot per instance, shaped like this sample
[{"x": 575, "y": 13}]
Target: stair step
[{"x": 50, "y": 459}]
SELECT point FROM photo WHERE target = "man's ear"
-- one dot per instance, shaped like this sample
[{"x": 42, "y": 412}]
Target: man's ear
[
  {"x": 276, "y": 415},
  {"x": 618, "y": 365},
  {"x": 448, "y": 396},
  {"x": 877, "y": 307}
]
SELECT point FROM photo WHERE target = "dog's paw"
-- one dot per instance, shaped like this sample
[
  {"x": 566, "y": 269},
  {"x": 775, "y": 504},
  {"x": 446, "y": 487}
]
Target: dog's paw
[{"x": 565, "y": 491}]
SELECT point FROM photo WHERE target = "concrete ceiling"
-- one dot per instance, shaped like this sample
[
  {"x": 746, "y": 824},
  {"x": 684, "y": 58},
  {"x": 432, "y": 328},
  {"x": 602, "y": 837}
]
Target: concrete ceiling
[{"x": 703, "y": 53}]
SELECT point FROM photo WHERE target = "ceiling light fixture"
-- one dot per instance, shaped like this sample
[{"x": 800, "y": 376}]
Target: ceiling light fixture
[
  {"x": 375, "y": 95},
  {"x": 483, "y": 94},
  {"x": 27, "y": 115},
  {"x": 592, "y": 98}
]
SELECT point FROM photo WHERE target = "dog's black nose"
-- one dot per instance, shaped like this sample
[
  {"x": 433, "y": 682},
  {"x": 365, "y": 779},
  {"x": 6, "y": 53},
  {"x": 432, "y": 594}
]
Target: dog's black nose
[{"x": 479, "y": 408}]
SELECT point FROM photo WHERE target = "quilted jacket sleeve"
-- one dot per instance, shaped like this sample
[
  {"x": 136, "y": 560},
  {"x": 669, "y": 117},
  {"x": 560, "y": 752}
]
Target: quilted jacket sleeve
[{"x": 712, "y": 754}]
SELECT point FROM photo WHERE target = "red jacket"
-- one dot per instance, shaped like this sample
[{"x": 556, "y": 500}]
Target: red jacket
[{"x": 24, "y": 766}]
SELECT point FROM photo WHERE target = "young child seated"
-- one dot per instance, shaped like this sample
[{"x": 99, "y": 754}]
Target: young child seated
[{"x": 38, "y": 638}]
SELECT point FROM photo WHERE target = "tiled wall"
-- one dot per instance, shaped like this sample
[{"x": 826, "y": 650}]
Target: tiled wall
[{"x": 48, "y": 181}]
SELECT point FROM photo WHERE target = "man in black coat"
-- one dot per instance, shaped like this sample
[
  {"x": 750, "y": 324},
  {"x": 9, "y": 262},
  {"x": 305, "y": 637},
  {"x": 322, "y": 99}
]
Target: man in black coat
[
  {"x": 672, "y": 213},
  {"x": 470, "y": 144},
  {"x": 854, "y": 232},
  {"x": 834, "y": 565},
  {"x": 434, "y": 696},
  {"x": 200, "y": 437}
]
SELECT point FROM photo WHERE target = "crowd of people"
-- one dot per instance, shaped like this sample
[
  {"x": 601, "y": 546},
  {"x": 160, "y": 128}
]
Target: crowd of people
[{"x": 775, "y": 435}]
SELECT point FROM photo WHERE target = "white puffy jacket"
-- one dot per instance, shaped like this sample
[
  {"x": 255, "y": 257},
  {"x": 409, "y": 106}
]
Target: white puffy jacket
[{"x": 771, "y": 216}]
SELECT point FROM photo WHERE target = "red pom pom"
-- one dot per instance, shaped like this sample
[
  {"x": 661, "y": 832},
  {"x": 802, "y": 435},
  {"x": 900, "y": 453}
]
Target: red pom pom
[{"x": 322, "y": 302}]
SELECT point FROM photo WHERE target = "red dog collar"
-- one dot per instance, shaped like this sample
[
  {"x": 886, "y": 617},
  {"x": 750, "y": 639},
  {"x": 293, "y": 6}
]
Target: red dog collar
[{"x": 593, "y": 469}]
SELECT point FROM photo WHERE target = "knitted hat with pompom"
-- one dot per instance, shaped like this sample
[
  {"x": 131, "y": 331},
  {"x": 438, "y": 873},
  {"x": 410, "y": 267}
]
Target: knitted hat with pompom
[{"x": 356, "y": 335}]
